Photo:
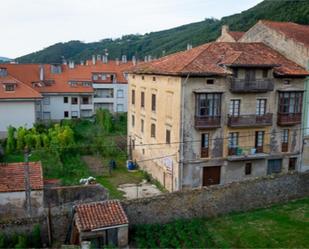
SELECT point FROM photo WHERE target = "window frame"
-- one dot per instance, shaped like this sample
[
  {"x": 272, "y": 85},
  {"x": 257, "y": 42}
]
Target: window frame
[
  {"x": 153, "y": 102},
  {"x": 261, "y": 107},
  {"x": 153, "y": 130},
  {"x": 208, "y": 104}
]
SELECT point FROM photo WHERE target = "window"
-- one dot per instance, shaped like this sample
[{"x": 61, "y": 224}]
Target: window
[
  {"x": 85, "y": 101},
  {"x": 9, "y": 87},
  {"x": 235, "y": 72},
  {"x": 261, "y": 107},
  {"x": 168, "y": 136},
  {"x": 133, "y": 97},
  {"x": 104, "y": 93},
  {"x": 120, "y": 93},
  {"x": 208, "y": 104},
  {"x": 274, "y": 166},
  {"x": 143, "y": 99},
  {"x": 119, "y": 107},
  {"x": 153, "y": 102},
  {"x": 113, "y": 78},
  {"x": 265, "y": 73},
  {"x": 292, "y": 163},
  {"x": 210, "y": 81},
  {"x": 133, "y": 120},
  {"x": 259, "y": 141},
  {"x": 142, "y": 125},
  {"x": 46, "y": 115},
  {"x": 95, "y": 77},
  {"x": 250, "y": 75},
  {"x": 66, "y": 114},
  {"x": 74, "y": 100},
  {"x": 285, "y": 140},
  {"x": 205, "y": 145},
  {"x": 248, "y": 168},
  {"x": 65, "y": 100},
  {"x": 154, "y": 79},
  {"x": 153, "y": 130},
  {"x": 74, "y": 114},
  {"x": 290, "y": 102},
  {"x": 235, "y": 107},
  {"x": 143, "y": 77},
  {"x": 46, "y": 100},
  {"x": 233, "y": 143}
]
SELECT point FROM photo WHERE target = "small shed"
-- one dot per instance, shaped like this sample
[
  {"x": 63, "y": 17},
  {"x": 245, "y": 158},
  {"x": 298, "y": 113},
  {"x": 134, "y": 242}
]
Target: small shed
[{"x": 101, "y": 223}]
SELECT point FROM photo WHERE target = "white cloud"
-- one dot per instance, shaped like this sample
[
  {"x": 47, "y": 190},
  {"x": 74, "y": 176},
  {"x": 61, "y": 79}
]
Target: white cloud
[{"x": 30, "y": 25}]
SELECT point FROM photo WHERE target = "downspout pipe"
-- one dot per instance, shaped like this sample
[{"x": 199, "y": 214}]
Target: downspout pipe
[{"x": 182, "y": 125}]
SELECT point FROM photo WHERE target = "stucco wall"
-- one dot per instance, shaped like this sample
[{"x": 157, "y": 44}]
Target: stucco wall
[
  {"x": 167, "y": 116},
  {"x": 217, "y": 200},
  {"x": 17, "y": 113}
]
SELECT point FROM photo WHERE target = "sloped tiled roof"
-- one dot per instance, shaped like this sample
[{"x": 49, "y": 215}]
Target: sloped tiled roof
[
  {"x": 12, "y": 177},
  {"x": 22, "y": 90},
  {"x": 213, "y": 58},
  {"x": 236, "y": 34},
  {"x": 297, "y": 32},
  {"x": 99, "y": 215}
]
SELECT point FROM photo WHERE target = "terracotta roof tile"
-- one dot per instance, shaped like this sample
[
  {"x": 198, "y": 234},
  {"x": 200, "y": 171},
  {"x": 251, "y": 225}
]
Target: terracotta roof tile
[
  {"x": 22, "y": 90},
  {"x": 12, "y": 177},
  {"x": 99, "y": 215},
  {"x": 214, "y": 58},
  {"x": 297, "y": 32}
]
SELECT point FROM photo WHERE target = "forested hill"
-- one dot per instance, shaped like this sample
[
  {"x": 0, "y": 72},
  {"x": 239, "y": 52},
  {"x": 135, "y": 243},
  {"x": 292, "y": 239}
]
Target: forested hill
[{"x": 159, "y": 43}]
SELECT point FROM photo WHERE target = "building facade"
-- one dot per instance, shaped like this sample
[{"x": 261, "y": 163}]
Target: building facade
[{"x": 218, "y": 113}]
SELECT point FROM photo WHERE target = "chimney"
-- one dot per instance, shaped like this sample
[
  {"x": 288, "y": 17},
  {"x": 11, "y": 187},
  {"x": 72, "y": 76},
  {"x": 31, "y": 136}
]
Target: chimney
[
  {"x": 71, "y": 64},
  {"x": 98, "y": 57},
  {"x": 105, "y": 59},
  {"x": 117, "y": 61},
  {"x": 189, "y": 46},
  {"x": 134, "y": 60},
  {"x": 124, "y": 59},
  {"x": 82, "y": 63},
  {"x": 64, "y": 62},
  {"x": 146, "y": 58},
  {"x": 42, "y": 76},
  {"x": 3, "y": 72},
  {"x": 93, "y": 60},
  {"x": 225, "y": 29},
  {"x": 149, "y": 58}
]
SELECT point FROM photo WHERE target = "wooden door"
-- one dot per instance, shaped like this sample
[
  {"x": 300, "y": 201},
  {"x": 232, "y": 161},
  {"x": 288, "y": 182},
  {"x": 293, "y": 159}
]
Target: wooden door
[{"x": 211, "y": 175}]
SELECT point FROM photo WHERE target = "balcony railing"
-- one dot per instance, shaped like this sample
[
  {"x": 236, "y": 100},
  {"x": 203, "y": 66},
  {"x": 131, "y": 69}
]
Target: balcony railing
[
  {"x": 204, "y": 122},
  {"x": 253, "y": 86},
  {"x": 250, "y": 120},
  {"x": 247, "y": 153},
  {"x": 289, "y": 118}
]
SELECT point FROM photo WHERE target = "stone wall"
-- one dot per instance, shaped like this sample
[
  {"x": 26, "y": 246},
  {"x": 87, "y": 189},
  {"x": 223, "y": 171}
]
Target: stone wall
[{"x": 217, "y": 200}]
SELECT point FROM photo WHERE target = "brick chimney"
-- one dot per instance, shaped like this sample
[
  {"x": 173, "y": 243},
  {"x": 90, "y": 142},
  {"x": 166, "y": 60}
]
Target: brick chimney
[
  {"x": 42, "y": 73},
  {"x": 225, "y": 29}
]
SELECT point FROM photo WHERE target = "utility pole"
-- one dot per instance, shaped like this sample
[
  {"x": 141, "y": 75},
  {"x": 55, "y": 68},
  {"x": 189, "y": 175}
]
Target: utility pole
[{"x": 27, "y": 181}]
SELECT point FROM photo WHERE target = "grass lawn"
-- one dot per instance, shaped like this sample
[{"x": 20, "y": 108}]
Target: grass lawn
[{"x": 281, "y": 226}]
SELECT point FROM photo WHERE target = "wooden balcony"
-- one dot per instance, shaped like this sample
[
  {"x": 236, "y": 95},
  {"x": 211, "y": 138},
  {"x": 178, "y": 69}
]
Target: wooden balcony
[
  {"x": 207, "y": 122},
  {"x": 289, "y": 118},
  {"x": 238, "y": 154},
  {"x": 250, "y": 120},
  {"x": 252, "y": 86}
]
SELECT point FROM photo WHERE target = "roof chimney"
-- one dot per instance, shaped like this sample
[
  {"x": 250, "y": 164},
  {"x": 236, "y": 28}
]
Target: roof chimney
[
  {"x": 225, "y": 29},
  {"x": 71, "y": 64},
  {"x": 149, "y": 58},
  {"x": 93, "y": 60},
  {"x": 105, "y": 59},
  {"x": 134, "y": 60},
  {"x": 124, "y": 59},
  {"x": 117, "y": 61},
  {"x": 98, "y": 57},
  {"x": 189, "y": 46},
  {"x": 42, "y": 76},
  {"x": 82, "y": 63}
]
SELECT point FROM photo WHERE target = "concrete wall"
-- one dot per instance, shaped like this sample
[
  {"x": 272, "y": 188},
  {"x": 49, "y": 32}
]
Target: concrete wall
[
  {"x": 117, "y": 101},
  {"x": 13, "y": 204},
  {"x": 164, "y": 166},
  {"x": 57, "y": 107},
  {"x": 17, "y": 113},
  {"x": 217, "y": 200}
]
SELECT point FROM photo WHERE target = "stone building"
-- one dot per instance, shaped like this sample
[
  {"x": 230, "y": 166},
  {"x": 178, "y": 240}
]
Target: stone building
[
  {"x": 100, "y": 223},
  {"x": 215, "y": 114},
  {"x": 13, "y": 200}
]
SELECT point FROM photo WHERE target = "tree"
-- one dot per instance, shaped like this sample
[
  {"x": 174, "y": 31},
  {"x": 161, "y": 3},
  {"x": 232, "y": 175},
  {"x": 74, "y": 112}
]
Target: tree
[{"x": 10, "y": 142}]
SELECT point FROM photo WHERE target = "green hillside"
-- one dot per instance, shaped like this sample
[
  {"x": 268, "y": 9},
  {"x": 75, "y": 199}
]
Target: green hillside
[{"x": 172, "y": 40}]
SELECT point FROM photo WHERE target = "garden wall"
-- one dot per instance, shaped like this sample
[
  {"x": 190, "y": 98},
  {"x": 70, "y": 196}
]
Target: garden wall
[{"x": 217, "y": 200}]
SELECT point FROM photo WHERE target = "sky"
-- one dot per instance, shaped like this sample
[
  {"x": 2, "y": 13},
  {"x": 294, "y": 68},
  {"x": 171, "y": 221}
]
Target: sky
[{"x": 31, "y": 25}]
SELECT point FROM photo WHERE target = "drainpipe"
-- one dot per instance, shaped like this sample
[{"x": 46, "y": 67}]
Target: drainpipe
[{"x": 182, "y": 124}]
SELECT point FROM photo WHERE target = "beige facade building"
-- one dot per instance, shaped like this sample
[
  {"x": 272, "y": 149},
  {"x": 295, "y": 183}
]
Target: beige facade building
[{"x": 215, "y": 114}]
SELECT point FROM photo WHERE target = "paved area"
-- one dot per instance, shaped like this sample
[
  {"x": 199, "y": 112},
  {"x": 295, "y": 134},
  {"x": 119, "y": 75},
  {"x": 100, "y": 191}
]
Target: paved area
[{"x": 141, "y": 190}]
